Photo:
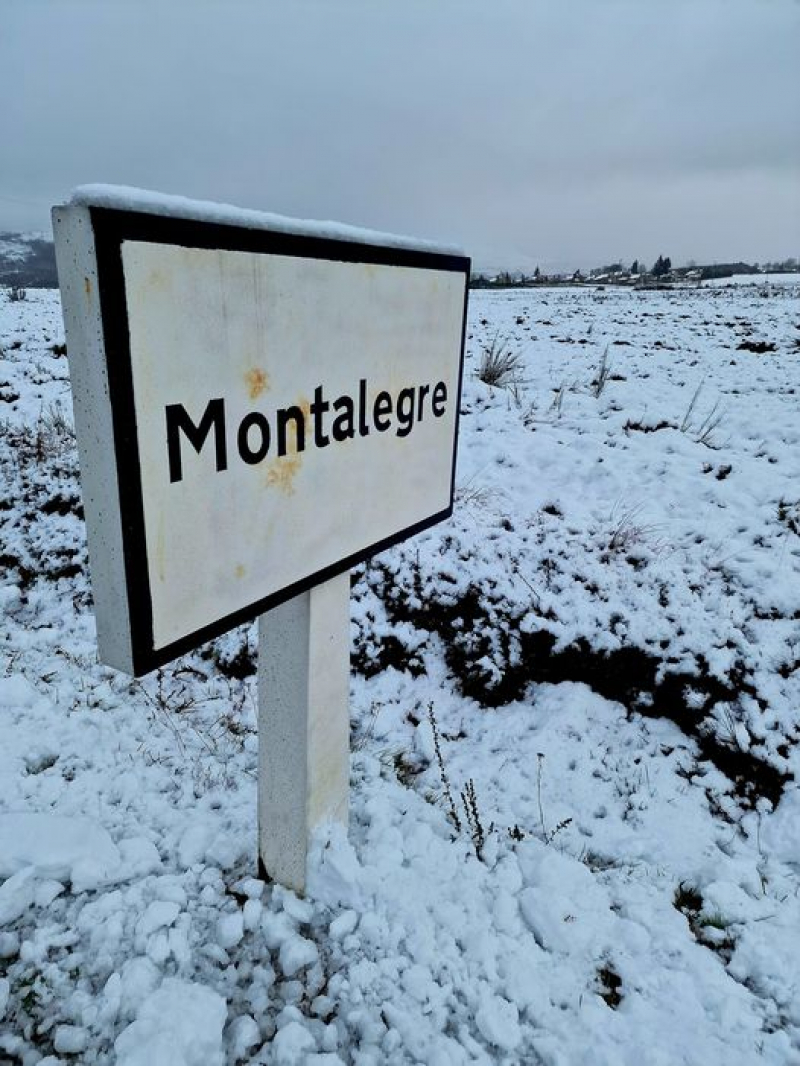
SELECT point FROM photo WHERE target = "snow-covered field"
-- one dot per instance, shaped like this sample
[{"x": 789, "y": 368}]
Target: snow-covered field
[{"x": 575, "y": 829}]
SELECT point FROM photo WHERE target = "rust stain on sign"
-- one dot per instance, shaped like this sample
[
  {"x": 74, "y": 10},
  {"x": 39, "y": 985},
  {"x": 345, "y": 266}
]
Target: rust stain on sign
[
  {"x": 239, "y": 571},
  {"x": 87, "y": 285},
  {"x": 281, "y": 473},
  {"x": 257, "y": 381}
]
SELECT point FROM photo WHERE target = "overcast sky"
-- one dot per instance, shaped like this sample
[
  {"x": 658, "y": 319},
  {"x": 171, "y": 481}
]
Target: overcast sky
[{"x": 564, "y": 133}]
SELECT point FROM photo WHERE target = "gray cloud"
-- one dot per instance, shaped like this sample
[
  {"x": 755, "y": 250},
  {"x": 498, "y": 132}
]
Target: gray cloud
[{"x": 524, "y": 130}]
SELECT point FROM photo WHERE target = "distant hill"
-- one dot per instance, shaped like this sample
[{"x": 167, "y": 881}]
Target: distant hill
[{"x": 27, "y": 261}]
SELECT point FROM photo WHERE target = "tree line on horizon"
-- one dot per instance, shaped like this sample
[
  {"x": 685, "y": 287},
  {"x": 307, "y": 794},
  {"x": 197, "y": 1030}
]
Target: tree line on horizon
[{"x": 661, "y": 271}]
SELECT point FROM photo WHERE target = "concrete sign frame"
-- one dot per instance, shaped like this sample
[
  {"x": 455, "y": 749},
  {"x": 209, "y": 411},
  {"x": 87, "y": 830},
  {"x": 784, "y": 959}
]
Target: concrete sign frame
[{"x": 93, "y": 245}]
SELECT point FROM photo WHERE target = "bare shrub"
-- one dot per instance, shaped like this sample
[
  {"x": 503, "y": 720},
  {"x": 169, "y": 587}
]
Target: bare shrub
[
  {"x": 558, "y": 399},
  {"x": 687, "y": 418},
  {"x": 704, "y": 434},
  {"x": 500, "y": 367},
  {"x": 51, "y": 435},
  {"x": 703, "y": 431},
  {"x": 469, "y": 800},
  {"x": 789, "y": 515},
  {"x": 548, "y": 835},
  {"x": 452, "y": 809},
  {"x": 603, "y": 374},
  {"x": 627, "y": 530},
  {"x": 471, "y": 495}
]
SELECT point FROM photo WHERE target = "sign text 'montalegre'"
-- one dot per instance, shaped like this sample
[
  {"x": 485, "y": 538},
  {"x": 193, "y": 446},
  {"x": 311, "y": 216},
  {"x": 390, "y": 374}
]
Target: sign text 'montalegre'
[{"x": 294, "y": 428}]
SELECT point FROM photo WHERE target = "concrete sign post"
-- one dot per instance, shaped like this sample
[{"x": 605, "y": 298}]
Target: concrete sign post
[
  {"x": 260, "y": 404},
  {"x": 303, "y": 724}
]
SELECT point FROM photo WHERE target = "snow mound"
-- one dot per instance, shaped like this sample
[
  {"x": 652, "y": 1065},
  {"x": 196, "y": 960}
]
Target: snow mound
[
  {"x": 64, "y": 848},
  {"x": 781, "y": 834},
  {"x": 180, "y": 1024},
  {"x": 17, "y": 691}
]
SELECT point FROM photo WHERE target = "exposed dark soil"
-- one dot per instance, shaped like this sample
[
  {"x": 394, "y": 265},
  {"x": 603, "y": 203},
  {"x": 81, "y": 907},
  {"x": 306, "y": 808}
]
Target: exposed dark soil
[
  {"x": 759, "y": 347},
  {"x": 632, "y": 676}
]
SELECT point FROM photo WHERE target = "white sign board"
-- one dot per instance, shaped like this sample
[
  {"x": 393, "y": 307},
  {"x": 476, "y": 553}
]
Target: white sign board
[{"x": 256, "y": 412}]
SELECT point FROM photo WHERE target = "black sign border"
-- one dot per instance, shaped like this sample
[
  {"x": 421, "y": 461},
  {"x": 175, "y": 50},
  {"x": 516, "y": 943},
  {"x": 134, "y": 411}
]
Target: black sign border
[{"x": 112, "y": 226}]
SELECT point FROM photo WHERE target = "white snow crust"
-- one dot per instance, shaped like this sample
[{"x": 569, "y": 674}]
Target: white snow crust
[
  {"x": 180, "y": 1024},
  {"x": 607, "y": 634},
  {"x": 66, "y": 849},
  {"x": 127, "y": 198}
]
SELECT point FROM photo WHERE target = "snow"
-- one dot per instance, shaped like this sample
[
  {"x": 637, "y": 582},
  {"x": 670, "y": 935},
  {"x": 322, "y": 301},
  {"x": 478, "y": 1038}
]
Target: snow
[
  {"x": 781, "y": 832},
  {"x": 244, "y": 1035},
  {"x": 230, "y": 929},
  {"x": 159, "y": 913},
  {"x": 762, "y": 280},
  {"x": 127, "y": 198},
  {"x": 70, "y": 1039},
  {"x": 498, "y": 1023},
  {"x": 17, "y": 894},
  {"x": 180, "y": 1024},
  {"x": 296, "y": 953},
  {"x": 292, "y": 1044},
  {"x": 601, "y": 644},
  {"x": 67, "y": 849},
  {"x": 16, "y": 691}
]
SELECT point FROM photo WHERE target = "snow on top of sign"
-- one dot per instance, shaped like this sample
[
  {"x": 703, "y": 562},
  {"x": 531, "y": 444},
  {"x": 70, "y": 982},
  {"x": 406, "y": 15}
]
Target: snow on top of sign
[{"x": 128, "y": 198}]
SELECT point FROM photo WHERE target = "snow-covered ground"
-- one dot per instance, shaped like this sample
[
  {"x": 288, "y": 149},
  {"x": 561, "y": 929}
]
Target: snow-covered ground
[
  {"x": 764, "y": 281},
  {"x": 575, "y": 828}
]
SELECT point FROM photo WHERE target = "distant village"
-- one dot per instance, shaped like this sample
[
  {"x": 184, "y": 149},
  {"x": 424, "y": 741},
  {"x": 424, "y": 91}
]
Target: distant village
[
  {"x": 661, "y": 275},
  {"x": 30, "y": 262}
]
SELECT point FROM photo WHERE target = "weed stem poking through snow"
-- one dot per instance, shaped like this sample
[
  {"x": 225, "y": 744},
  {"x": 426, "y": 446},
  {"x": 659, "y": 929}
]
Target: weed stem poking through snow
[{"x": 445, "y": 779}]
